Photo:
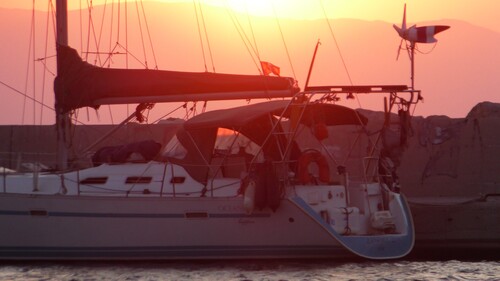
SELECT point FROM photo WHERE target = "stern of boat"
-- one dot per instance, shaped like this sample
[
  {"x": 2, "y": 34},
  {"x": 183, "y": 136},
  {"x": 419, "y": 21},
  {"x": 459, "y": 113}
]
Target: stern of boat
[{"x": 369, "y": 220}]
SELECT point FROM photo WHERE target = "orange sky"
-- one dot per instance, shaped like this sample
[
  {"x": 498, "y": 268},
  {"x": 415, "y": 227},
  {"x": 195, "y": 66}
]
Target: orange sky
[
  {"x": 476, "y": 66},
  {"x": 479, "y": 12}
]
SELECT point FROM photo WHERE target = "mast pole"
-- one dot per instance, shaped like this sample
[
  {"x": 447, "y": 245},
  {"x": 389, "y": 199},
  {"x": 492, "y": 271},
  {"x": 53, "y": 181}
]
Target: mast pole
[
  {"x": 312, "y": 64},
  {"x": 412, "y": 61},
  {"x": 62, "y": 119}
]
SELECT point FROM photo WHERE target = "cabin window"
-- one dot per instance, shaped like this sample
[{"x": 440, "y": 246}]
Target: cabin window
[
  {"x": 94, "y": 180},
  {"x": 174, "y": 149},
  {"x": 232, "y": 153},
  {"x": 137, "y": 180},
  {"x": 232, "y": 142},
  {"x": 178, "y": 180}
]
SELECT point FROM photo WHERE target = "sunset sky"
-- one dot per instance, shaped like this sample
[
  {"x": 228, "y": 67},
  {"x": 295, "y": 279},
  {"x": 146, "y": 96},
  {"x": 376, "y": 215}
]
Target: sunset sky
[
  {"x": 480, "y": 12},
  {"x": 462, "y": 63}
]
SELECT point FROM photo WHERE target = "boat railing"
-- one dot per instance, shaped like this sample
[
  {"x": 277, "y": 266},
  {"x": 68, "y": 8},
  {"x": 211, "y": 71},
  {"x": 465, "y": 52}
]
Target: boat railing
[
  {"x": 18, "y": 162},
  {"x": 371, "y": 169}
]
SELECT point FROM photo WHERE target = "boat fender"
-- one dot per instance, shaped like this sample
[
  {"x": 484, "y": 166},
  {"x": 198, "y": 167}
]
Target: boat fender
[
  {"x": 320, "y": 131},
  {"x": 405, "y": 127},
  {"x": 305, "y": 159},
  {"x": 249, "y": 197}
]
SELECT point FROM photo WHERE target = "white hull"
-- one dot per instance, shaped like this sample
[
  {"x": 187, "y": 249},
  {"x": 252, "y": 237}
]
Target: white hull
[
  {"x": 44, "y": 227},
  {"x": 48, "y": 225}
]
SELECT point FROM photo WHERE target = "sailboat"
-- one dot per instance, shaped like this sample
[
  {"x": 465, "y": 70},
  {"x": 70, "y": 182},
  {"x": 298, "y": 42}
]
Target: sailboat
[{"x": 263, "y": 180}]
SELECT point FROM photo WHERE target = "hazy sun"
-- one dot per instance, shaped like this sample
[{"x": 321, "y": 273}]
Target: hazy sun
[
  {"x": 296, "y": 9},
  {"x": 268, "y": 8},
  {"x": 254, "y": 7}
]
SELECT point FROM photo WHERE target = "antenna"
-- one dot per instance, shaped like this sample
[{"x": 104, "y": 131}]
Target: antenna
[{"x": 414, "y": 35}]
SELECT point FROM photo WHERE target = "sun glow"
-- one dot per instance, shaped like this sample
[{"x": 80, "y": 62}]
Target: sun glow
[
  {"x": 254, "y": 7},
  {"x": 483, "y": 13},
  {"x": 306, "y": 9}
]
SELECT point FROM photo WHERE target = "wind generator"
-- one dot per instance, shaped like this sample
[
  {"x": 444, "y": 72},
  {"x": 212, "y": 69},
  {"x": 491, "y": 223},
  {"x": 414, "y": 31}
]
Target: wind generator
[{"x": 413, "y": 35}]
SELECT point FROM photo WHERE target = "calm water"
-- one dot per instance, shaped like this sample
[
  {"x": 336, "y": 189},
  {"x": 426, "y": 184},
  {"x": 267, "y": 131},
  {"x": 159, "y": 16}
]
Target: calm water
[{"x": 255, "y": 270}]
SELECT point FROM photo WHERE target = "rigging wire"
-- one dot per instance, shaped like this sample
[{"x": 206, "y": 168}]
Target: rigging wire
[
  {"x": 97, "y": 60},
  {"x": 34, "y": 68},
  {"x": 81, "y": 28},
  {"x": 142, "y": 35},
  {"x": 28, "y": 63},
  {"x": 338, "y": 49},
  {"x": 172, "y": 111},
  {"x": 111, "y": 114},
  {"x": 91, "y": 29},
  {"x": 128, "y": 53},
  {"x": 126, "y": 45},
  {"x": 191, "y": 111},
  {"x": 283, "y": 39},
  {"x": 110, "y": 53},
  {"x": 371, "y": 141},
  {"x": 53, "y": 12},
  {"x": 126, "y": 35},
  {"x": 26, "y": 96},
  {"x": 256, "y": 50},
  {"x": 118, "y": 22},
  {"x": 112, "y": 50},
  {"x": 45, "y": 55},
  {"x": 206, "y": 38},
  {"x": 204, "y": 109},
  {"x": 110, "y": 34},
  {"x": 336, "y": 43},
  {"x": 194, "y": 109},
  {"x": 74, "y": 114},
  {"x": 102, "y": 26},
  {"x": 88, "y": 31},
  {"x": 244, "y": 37},
  {"x": 149, "y": 35},
  {"x": 199, "y": 34},
  {"x": 43, "y": 61}
]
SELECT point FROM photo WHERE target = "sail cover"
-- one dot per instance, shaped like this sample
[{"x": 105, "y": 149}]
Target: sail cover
[
  {"x": 232, "y": 118},
  {"x": 80, "y": 84}
]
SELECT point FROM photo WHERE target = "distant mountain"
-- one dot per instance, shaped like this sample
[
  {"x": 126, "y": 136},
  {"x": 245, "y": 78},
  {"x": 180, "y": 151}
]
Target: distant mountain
[{"x": 460, "y": 71}]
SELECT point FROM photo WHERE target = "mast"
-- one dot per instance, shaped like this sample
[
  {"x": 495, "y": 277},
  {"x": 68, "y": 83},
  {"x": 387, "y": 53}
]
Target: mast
[
  {"x": 62, "y": 119},
  {"x": 412, "y": 61},
  {"x": 312, "y": 64}
]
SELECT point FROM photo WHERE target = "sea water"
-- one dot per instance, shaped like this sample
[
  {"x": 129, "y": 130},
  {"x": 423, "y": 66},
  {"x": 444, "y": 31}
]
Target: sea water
[{"x": 254, "y": 270}]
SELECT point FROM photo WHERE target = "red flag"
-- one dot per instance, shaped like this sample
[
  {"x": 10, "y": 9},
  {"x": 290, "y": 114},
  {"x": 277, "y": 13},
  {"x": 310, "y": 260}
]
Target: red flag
[{"x": 269, "y": 68}]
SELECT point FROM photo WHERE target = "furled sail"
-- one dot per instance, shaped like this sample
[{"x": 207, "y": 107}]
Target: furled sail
[{"x": 81, "y": 84}]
